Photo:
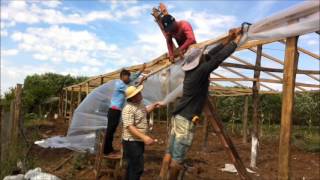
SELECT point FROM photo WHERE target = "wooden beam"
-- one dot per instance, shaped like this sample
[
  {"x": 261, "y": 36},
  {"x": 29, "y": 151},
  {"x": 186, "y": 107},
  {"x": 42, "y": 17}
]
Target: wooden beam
[
  {"x": 255, "y": 112},
  {"x": 289, "y": 75},
  {"x": 79, "y": 95},
  {"x": 66, "y": 104},
  {"x": 71, "y": 105},
  {"x": 212, "y": 116},
  {"x": 280, "y": 62},
  {"x": 304, "y": 51},
  {"x": 262, "y": 80},
  {"x": 87, "y": 88},
  {"x": 242, "y": 66},
  {"x": 236, "y": 83},
  {"x": 16, "y": 124},
  {"x": 241, "y": 75}
]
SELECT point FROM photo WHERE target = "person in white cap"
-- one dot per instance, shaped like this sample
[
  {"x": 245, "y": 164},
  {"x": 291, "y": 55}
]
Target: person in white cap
[
  {"x": 195, "y": 92},
  {"x": 134, "y": 134}
]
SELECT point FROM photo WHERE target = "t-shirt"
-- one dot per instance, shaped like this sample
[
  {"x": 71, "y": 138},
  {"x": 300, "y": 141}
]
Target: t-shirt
[
  {"x": 118, "y": 96},
  {"x": 196, "y": 82},
  {"x": 136, "y": 115},
  {"x": 184, "y": 37}
]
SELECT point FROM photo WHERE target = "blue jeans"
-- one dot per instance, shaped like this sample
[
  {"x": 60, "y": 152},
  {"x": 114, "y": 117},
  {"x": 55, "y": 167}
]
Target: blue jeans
[
  {"x": 181, "y": 137},
  {"x": 133, "y": 154}
]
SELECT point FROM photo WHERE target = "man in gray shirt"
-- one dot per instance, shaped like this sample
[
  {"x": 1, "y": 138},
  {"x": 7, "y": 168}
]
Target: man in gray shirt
[{"x": 195, "y": 93}]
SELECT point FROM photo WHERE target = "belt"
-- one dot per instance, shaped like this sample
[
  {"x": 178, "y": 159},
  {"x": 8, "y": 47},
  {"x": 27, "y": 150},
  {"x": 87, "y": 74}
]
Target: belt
[
  {"x": 129, "y": 139},
  {"x": 115, "y": 108}
]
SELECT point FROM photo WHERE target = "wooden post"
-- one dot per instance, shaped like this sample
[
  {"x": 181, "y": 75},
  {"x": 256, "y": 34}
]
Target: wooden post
[
  {"x": 87, "y": 88},
  {"x": 101, "y": 80},
  {"x": 255, "y": 113},
  {"x": 79, "y": 95},
  {"x": 66, "y": 105},
  {"x": 205, "y": 134},
  {"x": 212, "y": 116},
  {"x": 16, "y": 113},
  {"x": 245, "y": 120},
  {"x": 289, "y": 76},
  {"x": 71, "y": 104}
]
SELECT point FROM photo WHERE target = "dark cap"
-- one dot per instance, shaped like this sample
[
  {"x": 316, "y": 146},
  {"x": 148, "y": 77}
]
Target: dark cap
[{"x": 167, "y": 22}]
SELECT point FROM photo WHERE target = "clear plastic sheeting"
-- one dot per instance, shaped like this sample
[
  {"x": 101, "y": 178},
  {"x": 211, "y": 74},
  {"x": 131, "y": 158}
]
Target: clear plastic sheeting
[
  {"x": 91, "y": 115},
  {"x": 298, "y": 20}
]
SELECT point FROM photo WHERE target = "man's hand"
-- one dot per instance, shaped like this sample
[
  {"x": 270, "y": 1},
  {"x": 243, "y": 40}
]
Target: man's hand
[
  {"x": 171, "y": 59},
  {"x": 148, "y": 140},
  {"x": 181, "y": 53},
  {"x": 159, "y": 104}
]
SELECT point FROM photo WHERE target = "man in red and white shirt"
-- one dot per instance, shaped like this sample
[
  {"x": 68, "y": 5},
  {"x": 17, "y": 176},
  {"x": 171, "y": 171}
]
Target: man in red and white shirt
[{"x": 181, "y": 31}]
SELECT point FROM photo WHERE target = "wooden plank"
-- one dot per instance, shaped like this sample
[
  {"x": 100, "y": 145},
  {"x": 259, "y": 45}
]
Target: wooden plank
[
  {"x": 242, "y": 66},
  {"x": 255, "y": 113},
  {"x": 304, "y": 51},
  {"x": 241, "y": 75},
  {"x": 66, "y": 105},
  {"x": 212, "y": 116},
  {"x": 245, "y": 120},
  {"x": 262, "y": 80},
  {"x": 280, "y": 62},
  {"x": 71, "y": 104},
  {"x": 87, "y": 88},
  {"x": 289, "y": 75},
  {"x": 79, "y": 95}
]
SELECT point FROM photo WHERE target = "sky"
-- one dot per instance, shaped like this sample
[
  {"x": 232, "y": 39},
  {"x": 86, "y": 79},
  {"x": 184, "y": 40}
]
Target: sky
[{"x": 87, "y": 38}]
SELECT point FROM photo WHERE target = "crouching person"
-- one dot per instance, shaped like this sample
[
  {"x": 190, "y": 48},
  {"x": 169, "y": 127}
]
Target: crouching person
[{"x": 134, "y": 135}]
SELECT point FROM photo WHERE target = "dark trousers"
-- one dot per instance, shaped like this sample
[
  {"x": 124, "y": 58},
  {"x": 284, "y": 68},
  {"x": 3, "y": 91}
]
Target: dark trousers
[
  {"x": 113, "y": 121},
  {"x": 133, "y": 154}
]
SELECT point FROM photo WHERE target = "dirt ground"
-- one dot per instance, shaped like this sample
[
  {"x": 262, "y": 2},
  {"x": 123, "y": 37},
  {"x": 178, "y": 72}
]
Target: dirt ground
[{"x": 206, "y": 164}]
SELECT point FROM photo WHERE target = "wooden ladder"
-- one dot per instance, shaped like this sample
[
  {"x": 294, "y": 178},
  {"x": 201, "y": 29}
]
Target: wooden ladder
[{"x": 114, "y": 171}]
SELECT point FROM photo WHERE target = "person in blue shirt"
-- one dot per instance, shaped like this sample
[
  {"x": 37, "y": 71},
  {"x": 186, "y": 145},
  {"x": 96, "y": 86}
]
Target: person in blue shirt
[{"x": 116, "y": 105}]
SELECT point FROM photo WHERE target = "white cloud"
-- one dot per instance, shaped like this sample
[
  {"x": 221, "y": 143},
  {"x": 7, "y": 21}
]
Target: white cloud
[
  {"x": 31, "y": 13},
  {"x": 52, "y": 3},
  {"x": 207, "y": 25},
  {"x": 9, "y": 52},
  {"x": 59, "y": 44}
]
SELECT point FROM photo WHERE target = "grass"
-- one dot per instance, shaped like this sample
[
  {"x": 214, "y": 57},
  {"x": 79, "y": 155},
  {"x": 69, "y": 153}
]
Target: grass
[{"x": 303, "y": 137}]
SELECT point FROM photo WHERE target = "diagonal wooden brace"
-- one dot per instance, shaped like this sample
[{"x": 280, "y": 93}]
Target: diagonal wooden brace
[{"x": 212, "y": 116}]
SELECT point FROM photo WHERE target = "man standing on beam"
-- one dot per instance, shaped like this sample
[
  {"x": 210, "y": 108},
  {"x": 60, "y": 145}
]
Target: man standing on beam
[
  {"x": 189, "y": 107},
  {"x": 181, "y": 31}
]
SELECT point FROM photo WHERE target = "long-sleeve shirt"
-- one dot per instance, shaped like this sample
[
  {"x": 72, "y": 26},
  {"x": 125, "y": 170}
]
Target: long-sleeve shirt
[
  {"x": 196, "y": 82},
  {"x": 118, "y": 96},
  {"x": 184, "y": 37}
]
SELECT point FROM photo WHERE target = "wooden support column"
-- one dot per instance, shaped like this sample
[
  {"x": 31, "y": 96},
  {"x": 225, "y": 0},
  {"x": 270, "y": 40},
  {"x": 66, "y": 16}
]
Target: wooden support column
[
  {"x": 205, "y": 134},
  {"x": 255, "y": 113},
  {"x": 245, "y": 120},
  {"x": 101, "y": 80},
  {"x": 66, "y": 105},
  {"x": 212, "y": 116},
  {"x": 71, "y": 104},
  {"x": 79, "y": 95},
  {"x": 289, "y": 76},
  {"x": 87, "y": 88},
  {"x": 16, "y": 114}
]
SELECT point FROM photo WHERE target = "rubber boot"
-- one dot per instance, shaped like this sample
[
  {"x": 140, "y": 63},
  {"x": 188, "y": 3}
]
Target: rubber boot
[
  {"x": 165, "y": 166},
  {"x": 174, "y": 170}
]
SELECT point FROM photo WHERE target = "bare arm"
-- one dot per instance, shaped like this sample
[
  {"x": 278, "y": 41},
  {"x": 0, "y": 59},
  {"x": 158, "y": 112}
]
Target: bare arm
[{"x": 135, "y": 132}]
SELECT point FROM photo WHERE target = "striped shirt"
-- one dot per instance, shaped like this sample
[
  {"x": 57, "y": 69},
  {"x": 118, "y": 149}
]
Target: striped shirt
[{"x": 136, "y": 115}]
